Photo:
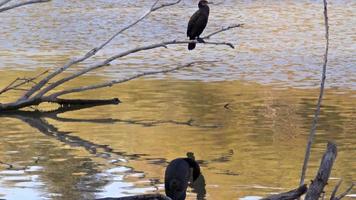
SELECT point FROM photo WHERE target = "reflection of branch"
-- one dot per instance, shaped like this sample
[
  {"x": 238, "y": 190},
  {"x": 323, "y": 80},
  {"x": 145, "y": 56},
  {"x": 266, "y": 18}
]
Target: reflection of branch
[
  {"x": 322, "y": 84},
  {"x": 20, "y": 4}
]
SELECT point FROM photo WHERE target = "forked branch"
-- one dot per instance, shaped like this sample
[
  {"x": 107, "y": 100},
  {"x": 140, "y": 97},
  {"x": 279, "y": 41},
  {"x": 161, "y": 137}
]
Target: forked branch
[{"x": 93, "y": 51}]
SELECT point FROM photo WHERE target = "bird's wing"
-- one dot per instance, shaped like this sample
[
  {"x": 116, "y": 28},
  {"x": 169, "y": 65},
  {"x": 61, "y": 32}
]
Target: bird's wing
[
  {"x": 193, "y": 19},
  {"x": 197, "y": 24}
]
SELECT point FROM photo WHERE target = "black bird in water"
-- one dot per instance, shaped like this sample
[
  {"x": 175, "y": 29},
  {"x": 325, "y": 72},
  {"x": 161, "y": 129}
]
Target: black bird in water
[
  {"x": 177, "y": 176},
  {"x": 197, "y": 23}
]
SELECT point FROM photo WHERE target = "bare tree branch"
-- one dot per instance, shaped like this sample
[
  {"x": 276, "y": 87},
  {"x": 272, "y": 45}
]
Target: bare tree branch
[
  {"x": 223, "y": 29},
  {"x": 20, "y": 4},
  {"x": 323, "y": 174},
  {"x": 322, "y": 85},
  {"x": 23, "y": 81},
  {"x": 148, "y": 47},
  {"x": 114, "y": 82},
  {"x": 4, "y": 2},
  {"x": 335, "y": 190},
  {"x": 53, "y": 98},
  {"x": 342, "y": 195},
  {"x": 92, "y": 52}
]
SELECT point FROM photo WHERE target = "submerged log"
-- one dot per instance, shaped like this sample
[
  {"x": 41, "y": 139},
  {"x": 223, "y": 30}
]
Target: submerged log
[{"x": 321, "y": 179}]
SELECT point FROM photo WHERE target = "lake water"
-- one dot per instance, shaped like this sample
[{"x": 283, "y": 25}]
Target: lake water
[{"x": 252, "y": 149}]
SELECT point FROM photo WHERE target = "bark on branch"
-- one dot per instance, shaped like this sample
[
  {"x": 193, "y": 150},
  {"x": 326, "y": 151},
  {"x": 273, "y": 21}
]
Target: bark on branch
[
  {"x": 19, "y": 4},
  {"x": 322, "y": 85},
  {"x": 322, "y": 177}
]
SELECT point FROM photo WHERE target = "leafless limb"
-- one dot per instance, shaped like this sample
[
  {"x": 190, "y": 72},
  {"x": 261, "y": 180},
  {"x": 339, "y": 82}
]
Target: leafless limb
[
  {"x": 291, "y": 195},
  {"x": 15, "y": 84},
  {"x": 223, "y": 29},
  {"x": 54, "y": 97},
  {"x": 322, "y": 85},
  {"x": 123, "y": 54},
  {"x": 342, "y": 195},
  {"x": 19, "y": 4},
  {"x": 93, "y": 51},
  {"x": 323, "y": 174},
  {"x": 114, "y": 82},
  {"x": 335, "y": 190},
  {"x": 4, "y": 2}
]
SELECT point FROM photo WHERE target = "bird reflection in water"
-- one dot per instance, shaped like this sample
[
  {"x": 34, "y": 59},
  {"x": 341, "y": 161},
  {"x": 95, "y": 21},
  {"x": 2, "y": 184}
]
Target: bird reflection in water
[{"x": 179, "y": 173}]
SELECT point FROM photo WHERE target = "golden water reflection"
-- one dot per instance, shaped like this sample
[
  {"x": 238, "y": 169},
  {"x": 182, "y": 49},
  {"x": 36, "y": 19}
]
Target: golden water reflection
[{"x": 252, "y": 147}]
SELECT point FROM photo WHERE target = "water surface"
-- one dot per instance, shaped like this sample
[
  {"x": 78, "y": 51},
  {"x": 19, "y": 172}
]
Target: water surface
[{"x": 252, "y": 149}]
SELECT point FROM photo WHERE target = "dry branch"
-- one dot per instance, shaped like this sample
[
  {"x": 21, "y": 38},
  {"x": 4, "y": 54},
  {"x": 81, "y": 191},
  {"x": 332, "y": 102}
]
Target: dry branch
[
  {"x": 322, "y": 177},
  {"x": 123, "y": 54},
  {"x": 291, "y": 195},
  {"x": 4, "y": 2},
  {"x": 20, "y": 82},
  {"x": 19, "y": 4},
  {"x": 342, "y": 195},
  {"x": 322, "y": 85},
  {"x": 335, "y": 190},
  {"x": 53, "y": 98},
  {"x": 91, "y": 52},
  {"x": 114, "y": 82}
]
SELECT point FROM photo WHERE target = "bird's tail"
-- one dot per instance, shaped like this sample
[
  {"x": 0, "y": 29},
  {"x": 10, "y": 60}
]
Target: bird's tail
[{"x": 191, "y": 46}]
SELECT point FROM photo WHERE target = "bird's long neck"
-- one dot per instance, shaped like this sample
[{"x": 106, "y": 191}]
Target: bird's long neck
[{"x": 205, "y": 9}]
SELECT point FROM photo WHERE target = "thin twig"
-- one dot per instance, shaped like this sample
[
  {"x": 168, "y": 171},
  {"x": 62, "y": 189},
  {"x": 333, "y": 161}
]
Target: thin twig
[
  {"x": 21, "y": 4},
  {"x": 91, "y": 52},
  {"x": 322, "y": 85},
  {"x": 342, "y": 195},
  {"x": 223, "y": 29},
  {"x": 13, "y": 86},
  {"x": 335, "y": 190}
]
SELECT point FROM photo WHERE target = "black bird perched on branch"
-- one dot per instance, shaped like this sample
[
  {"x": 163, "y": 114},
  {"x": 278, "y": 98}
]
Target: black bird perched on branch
[
  {"x": 197, "y": 23},
  {"x": 177, "y": 176}
]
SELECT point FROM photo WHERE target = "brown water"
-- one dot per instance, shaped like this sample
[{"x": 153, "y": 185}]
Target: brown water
[{"x": 252, "y": 149}]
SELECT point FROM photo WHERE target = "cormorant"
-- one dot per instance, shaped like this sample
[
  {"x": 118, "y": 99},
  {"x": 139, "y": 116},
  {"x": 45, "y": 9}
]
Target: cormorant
[
  {"x": 197, "y": 23},
  {"x": 177, "y": 176}
]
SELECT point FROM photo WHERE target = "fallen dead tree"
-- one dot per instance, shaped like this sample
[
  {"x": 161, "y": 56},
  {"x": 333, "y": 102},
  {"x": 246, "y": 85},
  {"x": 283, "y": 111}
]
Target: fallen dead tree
[{"x": 40, "y": 91}]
